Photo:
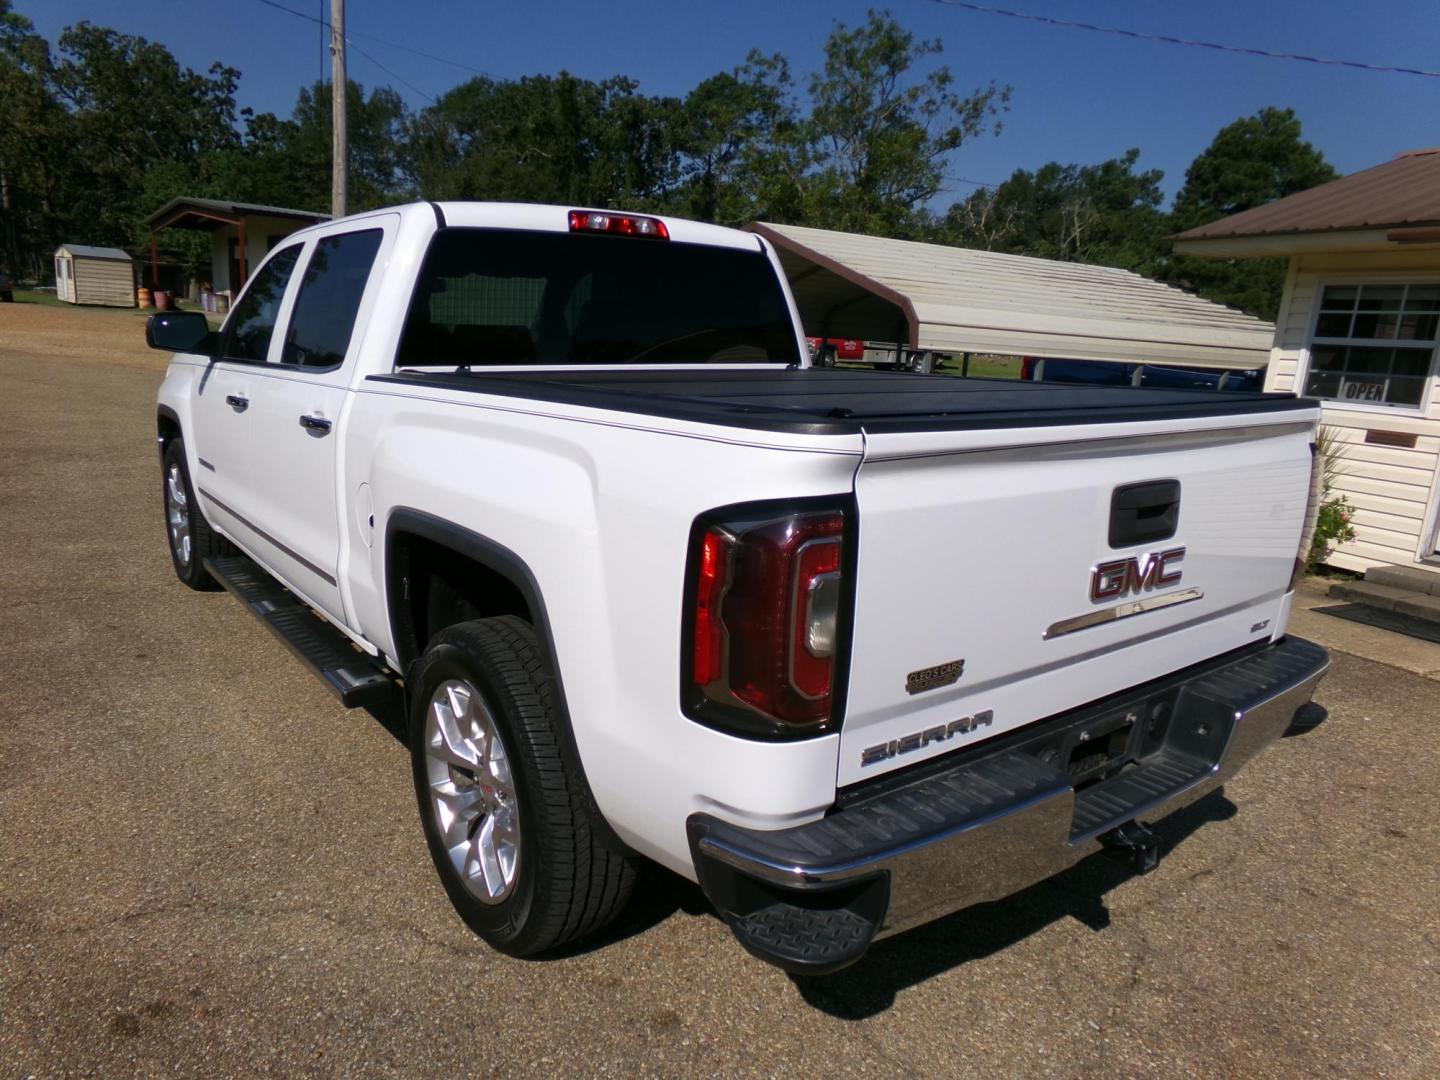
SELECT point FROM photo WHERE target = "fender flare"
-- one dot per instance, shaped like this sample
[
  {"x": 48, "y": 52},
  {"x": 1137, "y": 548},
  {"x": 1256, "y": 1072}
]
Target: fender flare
[
  {"x": 170, "y": 414},
  {"x": 501, "y": 560}
]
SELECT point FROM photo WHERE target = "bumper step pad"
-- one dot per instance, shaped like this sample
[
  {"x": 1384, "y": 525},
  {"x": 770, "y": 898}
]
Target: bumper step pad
[
  {"x": 985, "y": 827},
  {"x": 354, "y": 677}
]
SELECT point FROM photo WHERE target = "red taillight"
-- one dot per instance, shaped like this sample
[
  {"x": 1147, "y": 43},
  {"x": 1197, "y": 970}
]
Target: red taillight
[
  {"x": 619, "y": 224},
  {"x": 709, "y": 630},
  {"x": 765, "y": 622}
]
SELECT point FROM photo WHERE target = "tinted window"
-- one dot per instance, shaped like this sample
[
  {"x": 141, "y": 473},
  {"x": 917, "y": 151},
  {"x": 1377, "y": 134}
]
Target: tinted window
[
  {"x": 330, "y": 293},
  {"x": 247, "y": 334},
  {"x": 489, "y": 296}
]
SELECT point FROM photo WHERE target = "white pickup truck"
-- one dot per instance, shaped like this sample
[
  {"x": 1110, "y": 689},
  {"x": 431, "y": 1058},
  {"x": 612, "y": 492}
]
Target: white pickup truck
[{"x": 852, "y": 650}]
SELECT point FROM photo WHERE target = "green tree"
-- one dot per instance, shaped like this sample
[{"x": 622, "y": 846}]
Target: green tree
[
  {"x": 733, "y": 138},
  {"x": 31, "y": 144},
  {"x": 1108, "y": 214},
  {"x": 288, "y": 162},
  {"x": 881, "y": 133},
  {"x": 133, "y": 109},
  {"x": 545, "y": 139},
  {"x": 1253, "y": 161}
]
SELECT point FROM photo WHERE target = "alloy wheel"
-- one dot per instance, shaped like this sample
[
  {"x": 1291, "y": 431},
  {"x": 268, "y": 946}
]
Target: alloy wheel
[
  {"x": 472, "y": 790},
  {"x": 177, "y": 514}
]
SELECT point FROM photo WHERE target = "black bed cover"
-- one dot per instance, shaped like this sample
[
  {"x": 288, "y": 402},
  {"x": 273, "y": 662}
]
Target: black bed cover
[{"x": 837, "y": 401}]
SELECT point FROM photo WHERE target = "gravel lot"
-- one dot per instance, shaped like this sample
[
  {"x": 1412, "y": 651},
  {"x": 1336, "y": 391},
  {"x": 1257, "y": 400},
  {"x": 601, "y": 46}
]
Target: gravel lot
[{"x": 209, "y": 867}]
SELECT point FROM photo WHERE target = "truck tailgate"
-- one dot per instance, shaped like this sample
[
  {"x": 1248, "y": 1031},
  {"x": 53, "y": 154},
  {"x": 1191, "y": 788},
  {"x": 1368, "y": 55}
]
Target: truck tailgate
[{"x": 988, "y": 592}]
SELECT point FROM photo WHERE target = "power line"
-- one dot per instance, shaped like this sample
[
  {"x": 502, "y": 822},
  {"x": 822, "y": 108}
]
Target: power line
[
  {"x": 382, "y": 40},
  {"x": 387, "y": 71},
  {"x": 1166, "y": 39}
]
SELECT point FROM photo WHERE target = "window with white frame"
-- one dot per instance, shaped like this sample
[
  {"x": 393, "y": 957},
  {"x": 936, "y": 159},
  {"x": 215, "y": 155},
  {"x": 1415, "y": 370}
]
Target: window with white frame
[{"x": 1374, "y": 344}]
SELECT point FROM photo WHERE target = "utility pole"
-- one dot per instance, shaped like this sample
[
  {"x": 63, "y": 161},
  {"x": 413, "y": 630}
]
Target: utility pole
[{"x": 340, "y": 144}]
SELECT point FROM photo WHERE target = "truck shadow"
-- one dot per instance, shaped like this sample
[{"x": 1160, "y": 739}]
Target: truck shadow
[{"x": 897, "y": 963}]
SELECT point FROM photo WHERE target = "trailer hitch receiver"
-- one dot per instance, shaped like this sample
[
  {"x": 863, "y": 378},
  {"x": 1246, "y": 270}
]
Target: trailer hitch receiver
[{"x": 1134, "y": 845}]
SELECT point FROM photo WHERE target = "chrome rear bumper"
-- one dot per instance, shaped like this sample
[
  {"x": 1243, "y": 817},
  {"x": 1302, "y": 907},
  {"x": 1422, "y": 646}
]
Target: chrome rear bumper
[{"x": 812, "y": 898}]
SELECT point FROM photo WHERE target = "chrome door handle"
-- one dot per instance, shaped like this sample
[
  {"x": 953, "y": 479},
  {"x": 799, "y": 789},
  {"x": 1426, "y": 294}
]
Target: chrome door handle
[
  {"x": 315, "y": 423},
  {"x": 236, "y": 402}
]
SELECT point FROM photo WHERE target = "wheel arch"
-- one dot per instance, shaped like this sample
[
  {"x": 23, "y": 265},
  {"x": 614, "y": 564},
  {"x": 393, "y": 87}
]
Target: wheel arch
[
  {"x": 413, "y": 538},
  {"x": 167, "y": 427}
]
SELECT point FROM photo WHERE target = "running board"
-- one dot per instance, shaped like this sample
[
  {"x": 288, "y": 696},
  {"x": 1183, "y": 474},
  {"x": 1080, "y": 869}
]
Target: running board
[{"x": 355, "y": 678}]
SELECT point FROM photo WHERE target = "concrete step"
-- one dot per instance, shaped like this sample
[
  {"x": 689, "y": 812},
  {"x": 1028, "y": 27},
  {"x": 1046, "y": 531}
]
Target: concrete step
[
  {"x": 1409, "y": 578},
  {"x": 1417, "y": 605},
  {"x": 1420, "y": 607}
]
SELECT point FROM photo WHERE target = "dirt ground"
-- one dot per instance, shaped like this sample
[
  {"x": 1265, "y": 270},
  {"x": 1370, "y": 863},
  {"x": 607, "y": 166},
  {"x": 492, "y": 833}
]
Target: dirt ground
[
  {"x": 46, "y": 331},
  {"x": 207, "y": 867}
]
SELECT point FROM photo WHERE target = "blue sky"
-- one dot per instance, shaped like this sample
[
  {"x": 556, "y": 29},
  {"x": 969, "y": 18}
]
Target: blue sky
[{"x": 1078, "y": 96}]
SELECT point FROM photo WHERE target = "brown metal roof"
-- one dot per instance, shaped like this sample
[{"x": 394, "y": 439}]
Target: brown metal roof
[
  {"x": 1404, "y": 191},
  {"x": 189, "y": 212}
]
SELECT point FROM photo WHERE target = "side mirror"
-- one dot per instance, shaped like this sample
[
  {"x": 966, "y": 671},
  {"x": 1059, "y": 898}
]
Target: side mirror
[{"x": 181, "y": 332}]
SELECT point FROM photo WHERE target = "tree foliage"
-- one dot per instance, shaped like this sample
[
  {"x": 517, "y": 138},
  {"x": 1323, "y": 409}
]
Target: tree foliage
[
  {"x": 1107, "y": 213},
  {"x": 544, "y": 139},
  {"x": 1251, "y": 162},
  {"x": 100, "y": 129},
  {"x": 879, "y": 134}
]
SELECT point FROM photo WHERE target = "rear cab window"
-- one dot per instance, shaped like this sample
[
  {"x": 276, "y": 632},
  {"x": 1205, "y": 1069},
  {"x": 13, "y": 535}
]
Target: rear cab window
[{"x": 495, "y": 297}]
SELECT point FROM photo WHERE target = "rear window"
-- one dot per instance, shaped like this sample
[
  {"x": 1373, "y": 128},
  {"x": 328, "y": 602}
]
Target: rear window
[{"x": 493, "y": 297}]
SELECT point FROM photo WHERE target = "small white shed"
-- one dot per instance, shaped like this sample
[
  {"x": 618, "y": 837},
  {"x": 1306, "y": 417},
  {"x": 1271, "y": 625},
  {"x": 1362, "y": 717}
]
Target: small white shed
[{"x": 94, "y": 275}]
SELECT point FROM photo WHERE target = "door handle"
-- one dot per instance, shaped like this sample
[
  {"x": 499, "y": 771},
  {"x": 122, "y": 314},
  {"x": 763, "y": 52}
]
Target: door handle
[
  {"x": 237, "y": 402},
  {"x": 315, "y": 423}
]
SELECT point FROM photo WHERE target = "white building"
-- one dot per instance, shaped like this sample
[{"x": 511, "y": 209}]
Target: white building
[
  {"x": 241, "y": 234},
  {"x": 1357, "y": 329}
]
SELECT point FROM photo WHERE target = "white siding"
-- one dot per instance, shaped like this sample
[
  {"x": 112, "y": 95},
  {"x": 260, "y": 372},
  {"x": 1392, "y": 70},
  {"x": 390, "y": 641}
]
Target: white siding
[
  {"x": 104, "y": 281},
  {"x": 65, "y": 278},
  {"x": 258, "y": 231},
  {"x": 1391, "y": 490}
]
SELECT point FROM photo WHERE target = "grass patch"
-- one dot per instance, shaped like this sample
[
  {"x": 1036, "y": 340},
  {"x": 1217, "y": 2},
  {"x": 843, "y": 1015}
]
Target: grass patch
[
  {"x": 981, "y": 366},
  {"x": 48, "y": 299}
]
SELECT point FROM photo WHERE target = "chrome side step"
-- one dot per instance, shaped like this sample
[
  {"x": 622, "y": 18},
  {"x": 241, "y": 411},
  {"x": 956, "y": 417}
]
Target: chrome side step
[{"x": 354, "y": 677}]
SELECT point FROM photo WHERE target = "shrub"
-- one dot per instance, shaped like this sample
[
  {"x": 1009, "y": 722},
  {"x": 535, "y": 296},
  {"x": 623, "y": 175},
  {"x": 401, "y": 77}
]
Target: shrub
[{"x": 1332, "y": 525}]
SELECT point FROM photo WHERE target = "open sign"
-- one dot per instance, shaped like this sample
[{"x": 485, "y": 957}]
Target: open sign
[{"x": 1362, "y": 390}]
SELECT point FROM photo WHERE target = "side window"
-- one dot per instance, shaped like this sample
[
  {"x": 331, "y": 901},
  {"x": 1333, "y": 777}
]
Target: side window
[
  {"x": 329, "y": 299},
  {"x": 247, "y": 334}
]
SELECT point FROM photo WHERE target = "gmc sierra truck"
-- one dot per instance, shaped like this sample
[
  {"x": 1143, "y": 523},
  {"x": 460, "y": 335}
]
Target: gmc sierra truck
[{"x": 852, "y": 650}]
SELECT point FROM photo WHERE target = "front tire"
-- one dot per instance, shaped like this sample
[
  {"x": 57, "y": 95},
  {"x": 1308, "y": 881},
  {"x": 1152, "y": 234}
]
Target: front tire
[
  {"x": 190, "y": 535},
  {"x": 503, "y": 818}
]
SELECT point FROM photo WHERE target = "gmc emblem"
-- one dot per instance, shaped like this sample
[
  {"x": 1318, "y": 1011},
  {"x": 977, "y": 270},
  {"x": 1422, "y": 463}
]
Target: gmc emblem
[{"x": 1122, "y": 577}]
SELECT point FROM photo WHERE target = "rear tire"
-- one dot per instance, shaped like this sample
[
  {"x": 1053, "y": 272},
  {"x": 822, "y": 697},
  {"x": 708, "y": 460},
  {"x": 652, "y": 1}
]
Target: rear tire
[
  {"x": 191, "y": 537},
  {"x": 502, "y": 813}
]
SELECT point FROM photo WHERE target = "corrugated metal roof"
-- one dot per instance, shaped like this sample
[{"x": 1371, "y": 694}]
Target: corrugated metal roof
[
  {"x": 85, "y": 251},
  {"x": 958, "y": 300},
  {"x": 232, "y": 209},
  {"x": 1403, "y": 191}
]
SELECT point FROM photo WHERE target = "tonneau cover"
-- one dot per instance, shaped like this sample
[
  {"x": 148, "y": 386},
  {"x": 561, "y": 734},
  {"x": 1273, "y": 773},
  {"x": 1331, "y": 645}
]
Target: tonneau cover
[{"x": 827, "y": 401}]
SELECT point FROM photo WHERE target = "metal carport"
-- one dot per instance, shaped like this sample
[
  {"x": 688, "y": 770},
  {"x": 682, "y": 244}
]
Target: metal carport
[{"x": 955, "y": 300}]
